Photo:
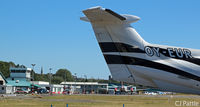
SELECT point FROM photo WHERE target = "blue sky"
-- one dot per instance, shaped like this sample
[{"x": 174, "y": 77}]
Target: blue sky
[{"x": 50, "y": 34}]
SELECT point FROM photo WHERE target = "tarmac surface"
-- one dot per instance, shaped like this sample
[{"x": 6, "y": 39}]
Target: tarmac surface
[{"x": 21, "y": 96}]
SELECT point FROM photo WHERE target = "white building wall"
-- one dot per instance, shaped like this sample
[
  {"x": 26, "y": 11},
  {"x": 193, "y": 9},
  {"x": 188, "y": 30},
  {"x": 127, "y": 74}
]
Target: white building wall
[
  {"x": 28, "y": 75},
  {"x": 1, "y": 79},
  {"x": 57, "y": 88},
  {"x": 10, "y": 89},
  {"x": 40, "y": 82}
]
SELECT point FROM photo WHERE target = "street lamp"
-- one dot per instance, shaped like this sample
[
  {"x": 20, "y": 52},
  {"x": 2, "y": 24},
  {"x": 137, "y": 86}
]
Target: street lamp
[
  {"x": 50, "y": 81},
  {"x": 75, "y": 81},
  {"x": 85, "y": 78},
  {"x": 84, "y": 83},
  {"x": 33, "y": 65}
]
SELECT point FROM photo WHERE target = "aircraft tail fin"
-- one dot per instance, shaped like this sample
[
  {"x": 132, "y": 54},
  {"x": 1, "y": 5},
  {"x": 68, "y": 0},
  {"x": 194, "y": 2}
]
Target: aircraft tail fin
[{"x": 116, "y": 38}]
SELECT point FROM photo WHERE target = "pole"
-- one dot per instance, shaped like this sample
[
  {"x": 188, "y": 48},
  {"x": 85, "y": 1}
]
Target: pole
[
  {"x": 33, "y": 71},
  {"x": 50, "y": 81},
  {"x": 75, "y": 82},
  {"x": 65, "y": 84},
  {"x": 32, "y": 86},
  {"x": 84, "y": 83}
]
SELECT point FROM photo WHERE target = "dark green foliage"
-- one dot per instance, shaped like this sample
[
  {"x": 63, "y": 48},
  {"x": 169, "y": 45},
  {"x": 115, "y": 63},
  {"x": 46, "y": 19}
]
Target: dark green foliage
[
  {"x": 39, "y": 77},
  {"x": 57, "y": 79},
  {"x": 4, "y": 68},
  {"x": 65, "y": 74},
  {"x": 60, "y": 76}
]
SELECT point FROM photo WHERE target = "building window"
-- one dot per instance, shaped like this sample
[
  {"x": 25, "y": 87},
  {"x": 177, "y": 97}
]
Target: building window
[
  {"x": 59, "y": 89},
  {"x": 2, "y": 88},
  {"x": 1, "y": 82},
  {"x": 18, "y": 71}
]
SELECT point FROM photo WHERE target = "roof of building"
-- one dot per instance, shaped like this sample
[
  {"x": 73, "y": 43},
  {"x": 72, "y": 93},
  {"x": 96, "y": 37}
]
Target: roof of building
[
  {"x": 82, "y": 83},
  {"x": 3, "y": 77},
  {"x": 20, "y": 68},
  {"x": 40, "y": 82},
  {"x": 36, "y": 85},
  {"x": 20, "y": 82},
  {"x": 112, "y": 86}
]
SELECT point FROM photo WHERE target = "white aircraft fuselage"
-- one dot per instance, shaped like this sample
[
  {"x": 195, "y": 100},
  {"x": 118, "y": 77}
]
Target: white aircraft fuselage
[{"x": 131, "y": 59}]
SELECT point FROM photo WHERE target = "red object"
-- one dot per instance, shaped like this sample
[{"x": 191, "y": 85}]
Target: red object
[
  {"x": 21, "y": 92},
  {"x": 64, "y": 92},
  {"x": 131, "y": 89}
]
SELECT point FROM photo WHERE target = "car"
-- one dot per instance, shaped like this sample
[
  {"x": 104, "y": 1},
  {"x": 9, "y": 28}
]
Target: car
[
  {"x": 150, "y": 93},
  {"x": 42, "y": 91},
  {"x": 21, "y": 91}
]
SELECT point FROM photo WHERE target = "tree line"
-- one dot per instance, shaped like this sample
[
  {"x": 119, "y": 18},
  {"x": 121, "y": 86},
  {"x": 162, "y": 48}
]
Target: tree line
[{"x": 60, "y": 75}]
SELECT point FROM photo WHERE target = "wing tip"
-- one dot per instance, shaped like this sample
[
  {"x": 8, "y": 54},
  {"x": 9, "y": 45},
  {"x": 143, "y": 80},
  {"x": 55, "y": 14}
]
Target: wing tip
[{"x": 84, "y": 19}]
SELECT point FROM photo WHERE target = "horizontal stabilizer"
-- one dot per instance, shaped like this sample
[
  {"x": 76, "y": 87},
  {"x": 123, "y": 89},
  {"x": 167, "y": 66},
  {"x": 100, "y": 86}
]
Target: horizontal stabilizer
[{"x": 99, "y": 14}]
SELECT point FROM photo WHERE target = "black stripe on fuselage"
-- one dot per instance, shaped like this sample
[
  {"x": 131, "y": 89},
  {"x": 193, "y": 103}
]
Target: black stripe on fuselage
[
  {"x": 193, "y": 60},
  {"x": 116, "y": 59},
  {"x": 118, "y": 47}
]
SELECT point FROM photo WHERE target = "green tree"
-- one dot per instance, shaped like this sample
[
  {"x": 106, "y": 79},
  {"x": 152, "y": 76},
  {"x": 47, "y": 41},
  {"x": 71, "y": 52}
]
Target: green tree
[
  {"x": 4, "y": 68},
  {"x": 65, "y": 74},
  {"x": 57, "y": 80}
]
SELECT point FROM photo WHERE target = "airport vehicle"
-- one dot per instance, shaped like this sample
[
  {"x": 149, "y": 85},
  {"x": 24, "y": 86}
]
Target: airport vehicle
[
  {"x": 150, "y": 93},
  {"x": 21, "y": 91},
  {"x": 42, "y": 91},
  {"x": 131, "y": 59}
]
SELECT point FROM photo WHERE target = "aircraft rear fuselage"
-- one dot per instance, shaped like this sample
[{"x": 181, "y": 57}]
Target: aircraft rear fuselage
[{"x": 131, "y": 59}]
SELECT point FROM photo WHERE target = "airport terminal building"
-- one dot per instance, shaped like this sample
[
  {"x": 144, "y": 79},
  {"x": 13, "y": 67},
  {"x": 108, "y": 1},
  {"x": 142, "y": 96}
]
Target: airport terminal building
[
  {"x": 20, "y": 80},
  {"x": 3, "y": 83},
  {"x": 86, "y": 87},
  {"x": 74, "y": 87}
]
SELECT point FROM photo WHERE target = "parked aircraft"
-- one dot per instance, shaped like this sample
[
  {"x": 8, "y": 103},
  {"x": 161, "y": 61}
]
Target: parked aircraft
[{"x": 132, "y": 59}]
